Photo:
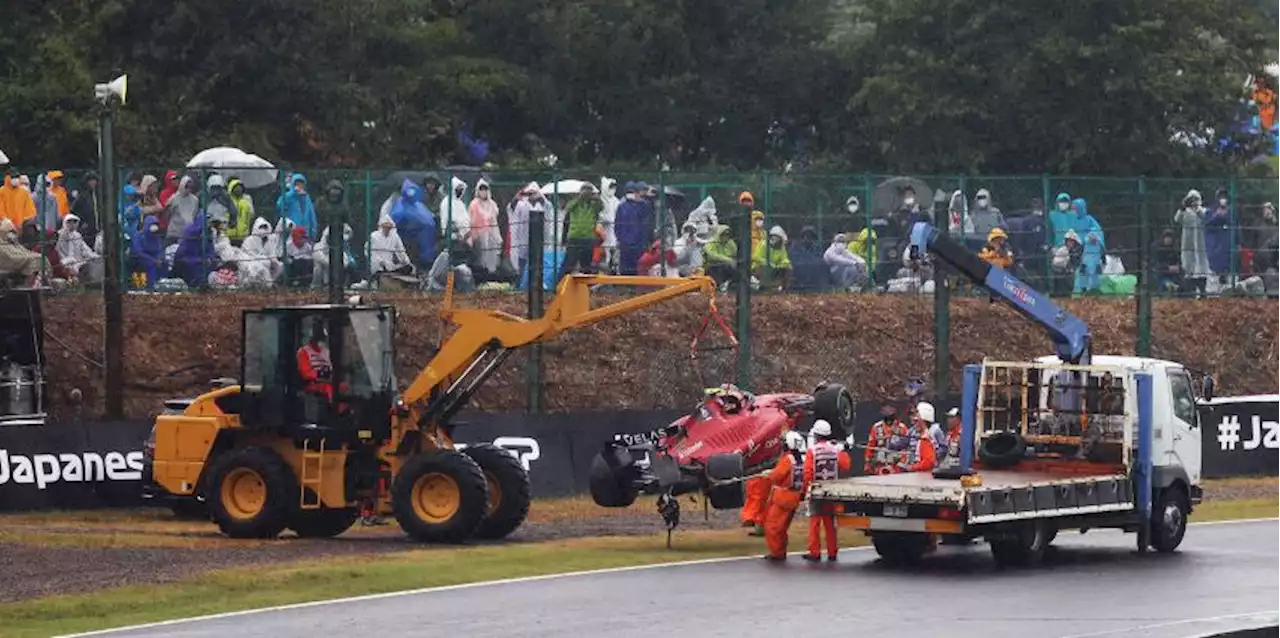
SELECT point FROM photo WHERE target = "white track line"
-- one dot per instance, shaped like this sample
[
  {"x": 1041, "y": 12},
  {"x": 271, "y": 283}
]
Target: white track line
[
  {"x": 1263, "y": 619},
  {"x": 490, "y": 583}
]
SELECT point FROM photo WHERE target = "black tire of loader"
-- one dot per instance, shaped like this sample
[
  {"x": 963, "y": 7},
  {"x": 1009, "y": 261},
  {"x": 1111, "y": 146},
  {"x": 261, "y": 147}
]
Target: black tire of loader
[
  {"x": 473, "y": 496},
  {"x": 608, "y": 489},
  {"x": 281, "y": 493},
  {"x": 834, "y": 404},
  {"x": 323, "y": 523},
  {"x": 504, "y": 469},
  {"x": 723, "y": 467}
]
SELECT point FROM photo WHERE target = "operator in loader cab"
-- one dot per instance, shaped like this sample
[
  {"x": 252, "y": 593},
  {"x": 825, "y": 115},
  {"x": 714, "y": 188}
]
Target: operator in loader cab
[{"x": 315, "y": 367}]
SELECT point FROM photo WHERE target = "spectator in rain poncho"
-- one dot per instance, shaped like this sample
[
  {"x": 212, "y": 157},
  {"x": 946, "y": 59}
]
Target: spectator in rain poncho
[
  {"x": 959, "y": 223},
  {"x": 386, "y": 250},
  {"x": 634, "y": 226},
  {"x": 298, "y": 253},
  {"x": 864, "y": 246},
  {"x": 149, "y": 204},
  {"x": 809, "y": 273},
  {"x": 76, "y": 255},
  {"x": 984, "y": 216},
  {"x": 1195, "y": 258},
  {"x": 454, "y": 261},
  {"x": 486, "y": 236},
  {"x": 85, "y": 206},
  {"x": 57, "y": 189},
  {"x": 195, "y": 257},
  {"x": 15, "y": 204},
  {"x": 688, "y": 249},
  {"x": 170, "y": 188},
  {"x": 1061, "y": 219},
  {"x": 320, "y": 259},
  {"x": 46, "y": 205},
  {"x": 607, "y": 231},
  {"x": 1218, "y": 221},
  {"x": 182, "y": 210},
  {"x": 584, "y": 217},
  {"x": 1092, "y": 256},
  {"x": 848, "y": 271},
  {"x": 257, "y": 247},
  {"x": 415, "y": 224},
  {"x": 239, "y": 266},
  {"x": 296, "y": 205},
  {"x": 704, "y": 217},
  {"x": 721, "y": 255},
  {"x": 518, "y": 227},
  {"x": 654, "y": 261},
  {"x": 243, "y": 208},
  {"x": 454, "y": 214},
  {"x": 552, "y": 236},
  {"x": 770, "y": 262},
  {"x": 44, "y": 243},
  {"x": 146, "y": 252},
  {"x": 17, "y": 264},
  {"x": 220, "y": 207},
  {"x": 131, "y": 212}
]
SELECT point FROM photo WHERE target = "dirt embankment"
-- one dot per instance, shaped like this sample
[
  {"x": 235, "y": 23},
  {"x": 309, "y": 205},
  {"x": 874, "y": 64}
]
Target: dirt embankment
[{"x": 176, "y": 343}]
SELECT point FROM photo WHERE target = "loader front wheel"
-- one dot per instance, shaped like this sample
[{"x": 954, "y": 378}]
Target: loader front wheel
[
  {"x": 254, "y": 493},
  {"x": 508, "y": 485},
  {"x": 440, "y": 496}
]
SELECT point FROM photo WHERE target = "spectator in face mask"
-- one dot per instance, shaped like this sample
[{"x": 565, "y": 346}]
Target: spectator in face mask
[
  {"x": 1061, "y": 219},
  {"x": 182, "y": 208},
  {"x": 1217, "y": 233},
  {"x": 584, "y": 214},
  {"x": 486, "y": 237},
  {"x": 852, "y": 206},
  {"x": 688, "y": 249},
  {"x": 387, "y": 252},
  {"x": 15, "y": 204},
  {"x": 722, "y": 256},
  {"x": 986, "y": 217},
  {"x": 1195, "y": 259},
  {"x": 298, "y": 207},
  {"x": 848, "y": 271},
  {"x": 770, "y": 263},
  {"x": 634, "y": 227},
  {"x": 146, "y": 255},
  {"x": 221, "y": 208}
]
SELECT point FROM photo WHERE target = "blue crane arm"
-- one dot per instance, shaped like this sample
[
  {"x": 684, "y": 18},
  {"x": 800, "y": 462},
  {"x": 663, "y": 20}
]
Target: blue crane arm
[{"x": 1071, "y": 339}]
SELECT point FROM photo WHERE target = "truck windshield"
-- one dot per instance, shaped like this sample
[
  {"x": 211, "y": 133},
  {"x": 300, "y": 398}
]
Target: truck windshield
[{"x": 367, "y": 358}]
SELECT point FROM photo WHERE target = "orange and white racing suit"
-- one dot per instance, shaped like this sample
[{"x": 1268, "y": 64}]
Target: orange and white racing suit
[
  {"x": 824, "y": 462},
  {"x": 885, "y": 446},
  {"x": 922, "y": 457},
  {"x": 316, "y": 369},
  {"x": 786, "y": 481}
]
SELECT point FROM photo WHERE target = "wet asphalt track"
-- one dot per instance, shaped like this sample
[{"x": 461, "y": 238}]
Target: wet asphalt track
[{"x": 1095, "y": 584}]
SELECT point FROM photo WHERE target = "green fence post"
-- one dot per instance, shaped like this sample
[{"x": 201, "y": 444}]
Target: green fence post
[
  {"x": 1233, "y": 233},
  {"x": 941, "y": 311},
  {"x": 873, "y": 241},
  {"x": 1046, "y": 200},
  {"x": 662, "y": 220},
  {"x": 743, "y": 314},
  {"x": 1144, "y": 270},
  {"x": 369, "y": 225}
]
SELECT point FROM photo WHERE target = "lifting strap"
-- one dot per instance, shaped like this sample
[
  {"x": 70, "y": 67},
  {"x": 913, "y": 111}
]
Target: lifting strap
[{"x": 713, "y": 313}]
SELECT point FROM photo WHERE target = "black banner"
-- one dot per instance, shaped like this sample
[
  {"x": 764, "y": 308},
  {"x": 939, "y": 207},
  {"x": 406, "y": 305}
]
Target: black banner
[
  {"x": 100, "y": 464},
  {"x": 1240, "y": 436}
]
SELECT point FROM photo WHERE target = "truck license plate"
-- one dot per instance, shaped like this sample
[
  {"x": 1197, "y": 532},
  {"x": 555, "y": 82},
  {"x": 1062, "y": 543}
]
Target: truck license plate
[{"x": 899, "y": 511}]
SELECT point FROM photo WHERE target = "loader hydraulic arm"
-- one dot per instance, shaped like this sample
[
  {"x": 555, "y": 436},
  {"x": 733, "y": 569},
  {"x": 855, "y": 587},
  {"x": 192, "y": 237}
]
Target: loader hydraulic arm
[
  {"x": 1071, "y": 339},
  {"x": 483, "y": 339}
]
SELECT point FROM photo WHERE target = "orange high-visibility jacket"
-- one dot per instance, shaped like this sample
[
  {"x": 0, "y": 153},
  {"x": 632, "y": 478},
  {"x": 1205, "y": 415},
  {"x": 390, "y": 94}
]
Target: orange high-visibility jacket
[
  {"x": 923, "y": 457},
  {"x": 787, "y": 478},
  {"x": 316, "y": 369}
]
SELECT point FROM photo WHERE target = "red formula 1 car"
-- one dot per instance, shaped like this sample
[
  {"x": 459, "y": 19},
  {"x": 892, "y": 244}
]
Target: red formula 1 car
[{"x": 729, "y": 435}]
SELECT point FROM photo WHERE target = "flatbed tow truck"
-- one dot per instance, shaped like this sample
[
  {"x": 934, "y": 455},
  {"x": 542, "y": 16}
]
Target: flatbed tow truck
[{"x": 1064, "y": 442}]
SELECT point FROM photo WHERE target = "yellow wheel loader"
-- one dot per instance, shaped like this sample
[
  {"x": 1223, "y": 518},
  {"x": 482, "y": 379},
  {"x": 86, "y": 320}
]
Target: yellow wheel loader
[{"x": 316, "y": 430}]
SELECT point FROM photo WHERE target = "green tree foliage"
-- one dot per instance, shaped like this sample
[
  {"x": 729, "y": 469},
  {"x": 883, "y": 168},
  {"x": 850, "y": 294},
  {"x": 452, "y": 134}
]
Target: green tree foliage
[{"x": 1096, "y": 86}]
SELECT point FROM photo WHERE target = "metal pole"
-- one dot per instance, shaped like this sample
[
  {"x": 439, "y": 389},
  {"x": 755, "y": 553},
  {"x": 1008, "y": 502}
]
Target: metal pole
[
  {"x": 742, "y": 317},
  {"x": 941, "y": 312},
  {"x": 112, "y": 296},
  {"x": 337, "y": 258},
  {"x": 533, "y": 365},
  {"x": 1144, "y": 273}
]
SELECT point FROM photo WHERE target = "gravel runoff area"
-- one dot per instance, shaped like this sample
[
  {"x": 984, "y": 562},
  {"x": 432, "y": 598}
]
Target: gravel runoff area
[{"x": 66, "y": 553}]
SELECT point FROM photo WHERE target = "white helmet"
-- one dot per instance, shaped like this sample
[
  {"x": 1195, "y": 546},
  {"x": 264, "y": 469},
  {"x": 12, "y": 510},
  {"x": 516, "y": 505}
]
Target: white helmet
[
  {"x": 215, "y": 180},
  {"x": 925, "y": 410},
  {"x": 820, "y": 428},
  {"x": 793, "y": 441}
]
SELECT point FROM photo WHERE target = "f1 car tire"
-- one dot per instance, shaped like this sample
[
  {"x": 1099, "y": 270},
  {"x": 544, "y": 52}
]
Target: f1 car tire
[
  {"x": 1003, "y": 449},
  {"x": 901, "y": 548},
  {"x": 508, "y": 490},
  {"x": 834, "y": 404},
  {"x": 608, "y": 489},
  {"x": 440, "y": 496},
  {"x": 726, "y": 467},
  {"x": 323, "y": 523},
  {"x": 254, "y": 493}
]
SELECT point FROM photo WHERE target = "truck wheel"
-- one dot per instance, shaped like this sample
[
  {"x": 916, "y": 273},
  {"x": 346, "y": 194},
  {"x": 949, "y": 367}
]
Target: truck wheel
[
  {"x": 901, "y": 548},
  {"x": 834, "y": 404},
  {"x": 1024, "y": 548},
  {"x": 1169, "y": 520},
  {"x": 254, "y": 493},
  {"x": 726, "y": 467},
  {"x": 508, "y": 485},
  {"x": 440, "y": 496},
  {"x": 323, "y": 523},
  {"x": 1003, "y": 449},
  {"x": 608, "y": 489}
]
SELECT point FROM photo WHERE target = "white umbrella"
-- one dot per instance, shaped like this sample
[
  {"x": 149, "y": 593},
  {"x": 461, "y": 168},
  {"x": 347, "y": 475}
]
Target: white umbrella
[
  {"x": 4, "y": 159},
  {"x": 254, "y": 171},
  {"x": 564, "y": 187}
]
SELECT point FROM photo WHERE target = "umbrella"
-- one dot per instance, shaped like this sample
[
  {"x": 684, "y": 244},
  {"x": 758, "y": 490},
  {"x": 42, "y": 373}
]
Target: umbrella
[
  {"x": 672, "y": 191},
  {"x": 254, "y": 171},
  {"x": 888, "y": 194},
  {"x": 4, "y": 159},
  {"x": 564, "y": 187}
]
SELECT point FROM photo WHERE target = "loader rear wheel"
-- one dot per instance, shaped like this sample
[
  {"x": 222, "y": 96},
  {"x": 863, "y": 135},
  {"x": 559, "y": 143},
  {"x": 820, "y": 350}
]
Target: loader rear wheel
[
  {"x": 440, "y": 496},
  {"x": 508, "y": 485},
  {"x": 323, "y": 523},
  {"x": 254, "y": 493}
]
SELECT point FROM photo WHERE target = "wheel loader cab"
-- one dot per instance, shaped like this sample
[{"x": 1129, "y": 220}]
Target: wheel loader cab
[{"x": 323, "y": 371}]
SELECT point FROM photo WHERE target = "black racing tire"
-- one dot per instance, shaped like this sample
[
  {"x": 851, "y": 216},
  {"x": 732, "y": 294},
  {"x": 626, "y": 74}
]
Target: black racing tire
[
  {"x": 1024, "y": 548},
  {"x": 323, "y": 523},
  {"x": 1002, "y": 449},
  {"x": 252, "y": 493},
  {"x": 901, "y": 548},
  {"x": 726, "y": 467},
  {"x": 1169, "y": 519},
  {"x": 440, "y": 496},
  {"x": 608, "y": 488},
  {"x": 834, "y": 404},
  {"x": 508, "y": 485}
]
